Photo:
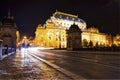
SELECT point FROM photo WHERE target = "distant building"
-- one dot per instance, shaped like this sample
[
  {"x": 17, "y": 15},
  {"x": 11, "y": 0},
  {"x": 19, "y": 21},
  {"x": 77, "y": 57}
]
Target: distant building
[
  {"x": 8, "y": 31},
  {"x": 53, "y": 32}
]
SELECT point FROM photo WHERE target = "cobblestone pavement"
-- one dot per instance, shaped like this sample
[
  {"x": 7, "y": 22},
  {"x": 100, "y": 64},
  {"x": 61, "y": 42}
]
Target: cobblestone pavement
[{"x": 21, "y": 66}]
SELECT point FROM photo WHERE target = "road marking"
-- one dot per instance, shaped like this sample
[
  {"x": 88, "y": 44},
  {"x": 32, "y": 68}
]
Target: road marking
[{"x": 65, "y": 72}]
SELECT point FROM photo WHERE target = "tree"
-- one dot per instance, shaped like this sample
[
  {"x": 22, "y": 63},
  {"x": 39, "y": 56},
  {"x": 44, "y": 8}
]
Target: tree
[
  {"x": 85, "y": 43},
  {"x": 96, "y": 45},
  {"x": 90, "y": 44}
]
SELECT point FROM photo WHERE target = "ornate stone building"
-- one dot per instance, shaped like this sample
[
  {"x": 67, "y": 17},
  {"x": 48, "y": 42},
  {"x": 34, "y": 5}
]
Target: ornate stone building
[
  {"x": 53, "y": 32},
  {"x": 116, "y": 40},
  {"x": 97, "y": 38},
  {"x": 8, "y": 31},
  {"x": 50, "y": 36}
]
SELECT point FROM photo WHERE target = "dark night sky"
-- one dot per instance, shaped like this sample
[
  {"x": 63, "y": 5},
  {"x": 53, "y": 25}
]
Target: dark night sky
[{"x": 103, "y": 14}]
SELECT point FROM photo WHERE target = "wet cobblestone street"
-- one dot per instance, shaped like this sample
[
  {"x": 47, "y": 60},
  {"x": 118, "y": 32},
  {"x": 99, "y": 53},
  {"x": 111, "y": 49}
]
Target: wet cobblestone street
[{"x": 21, "y": 66}]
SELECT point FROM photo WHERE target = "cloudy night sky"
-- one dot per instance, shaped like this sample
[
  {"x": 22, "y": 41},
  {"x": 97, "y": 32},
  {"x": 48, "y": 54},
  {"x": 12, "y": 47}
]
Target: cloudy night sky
[{"x": 103, "y": 14}]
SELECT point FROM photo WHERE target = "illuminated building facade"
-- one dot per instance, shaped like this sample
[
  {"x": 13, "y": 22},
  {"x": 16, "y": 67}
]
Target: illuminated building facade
[
  {"x": 53, "y": 33},
  {"x": 98, "y": 39},
  {"x": 50, "y": 36},
  {"x": 116, "y": 40}
]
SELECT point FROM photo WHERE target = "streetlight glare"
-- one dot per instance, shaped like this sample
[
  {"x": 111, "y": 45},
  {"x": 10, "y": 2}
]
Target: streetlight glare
[{"x": 24, "y": 37}]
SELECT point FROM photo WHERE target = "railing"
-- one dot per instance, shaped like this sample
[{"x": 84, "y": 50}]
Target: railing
[{"x": 5, "y": 51}]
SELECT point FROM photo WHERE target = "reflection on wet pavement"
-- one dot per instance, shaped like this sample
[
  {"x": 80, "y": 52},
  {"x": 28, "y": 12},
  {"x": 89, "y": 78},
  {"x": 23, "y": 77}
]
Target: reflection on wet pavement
[
  {"x": 89, "y": 65},
  {"x": 21, "y": 66}
]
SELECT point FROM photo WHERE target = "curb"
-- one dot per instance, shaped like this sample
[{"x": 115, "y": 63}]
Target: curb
[{"x": 4, "y": 56}]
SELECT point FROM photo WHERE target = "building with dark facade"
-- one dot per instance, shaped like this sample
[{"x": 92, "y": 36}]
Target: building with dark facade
[
  {"x": 74, "y": 39},
  {"x": 8, "y": 31}
]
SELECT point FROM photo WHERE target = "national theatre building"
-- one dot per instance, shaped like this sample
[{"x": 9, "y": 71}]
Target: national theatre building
[{"x": 53, "y": 32}]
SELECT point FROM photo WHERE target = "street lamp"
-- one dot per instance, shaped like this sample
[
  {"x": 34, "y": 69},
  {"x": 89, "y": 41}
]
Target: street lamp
[{"x": 25, "y": 42}]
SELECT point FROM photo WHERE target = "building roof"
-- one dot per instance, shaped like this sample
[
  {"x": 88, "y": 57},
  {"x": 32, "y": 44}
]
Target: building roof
[
  {"x": 67, "y": 16},
  {"x": 8, "y": 21}
]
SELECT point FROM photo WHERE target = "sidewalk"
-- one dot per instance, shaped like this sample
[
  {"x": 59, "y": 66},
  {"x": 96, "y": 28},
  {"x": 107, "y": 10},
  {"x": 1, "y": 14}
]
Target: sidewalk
[{"x": 21, "y": 66}]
